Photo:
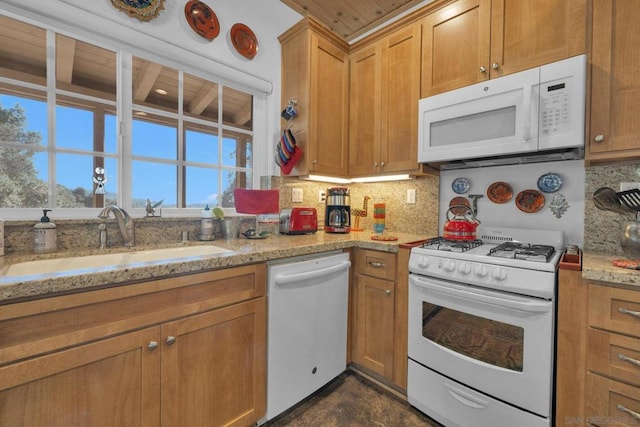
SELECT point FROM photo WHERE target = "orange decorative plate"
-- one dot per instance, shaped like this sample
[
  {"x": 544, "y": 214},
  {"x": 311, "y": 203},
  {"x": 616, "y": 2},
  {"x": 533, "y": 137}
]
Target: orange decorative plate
[
  {"x": 458, "y": 202},
  {"x": 530, "y": 201},
  {"x": 201, "y": 19},
  {"x": 499, "y": 192},
  {"x": 244, "y": 41}
]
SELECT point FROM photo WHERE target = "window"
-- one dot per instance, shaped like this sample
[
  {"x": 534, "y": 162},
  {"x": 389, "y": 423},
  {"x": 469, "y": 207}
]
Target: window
[{"x": 186, "y": 140}]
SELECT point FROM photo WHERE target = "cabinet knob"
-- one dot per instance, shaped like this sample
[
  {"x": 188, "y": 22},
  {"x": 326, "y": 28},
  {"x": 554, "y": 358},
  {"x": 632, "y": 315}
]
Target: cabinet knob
[
  {"x": 152, "y": 345},
  {"x": 387, "y": 291},
  {"x": 314, "y": 162},
  {"x": 482, "y": 69},
  {"x": 375, "y": 164},
  {"x": 171, "y": 339},
  {"x": 599, "y": 138},
  {"x": 495, "y": 65},
  {"x": 381, "y": 164}
]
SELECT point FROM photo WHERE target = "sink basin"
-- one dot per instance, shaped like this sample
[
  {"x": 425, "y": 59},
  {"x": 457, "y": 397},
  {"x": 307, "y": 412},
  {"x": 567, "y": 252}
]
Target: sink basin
[{"x": 118, "y": 259}]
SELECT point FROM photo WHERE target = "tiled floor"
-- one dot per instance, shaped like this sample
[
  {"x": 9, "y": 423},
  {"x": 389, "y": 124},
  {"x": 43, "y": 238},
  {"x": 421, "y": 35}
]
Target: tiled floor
[{"x": 353, "y": 401}]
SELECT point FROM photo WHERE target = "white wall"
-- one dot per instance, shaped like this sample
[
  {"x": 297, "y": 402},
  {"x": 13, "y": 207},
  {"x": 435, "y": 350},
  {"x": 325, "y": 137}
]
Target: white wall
[{"x": 169, "y": 36}]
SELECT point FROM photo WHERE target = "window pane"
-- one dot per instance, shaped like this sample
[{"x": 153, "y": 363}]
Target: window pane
[
  {"x": 110, "y": 134},
  {"x": 74, "y": 179},
  {"x": 200, "y": 98},
  {"x": 155, "y": 136},
  {"x": 85, "y": 68},
  {"x": 237, "y": 108},
  {"x": 155, "y": 85},
  {"x": 74, "y": 128},
  {"x": 24, "y": 119},
  {"x": 23, "y": 53},
  {"x": 23, "y": 178},
  {"x": 237, "y": 150},
  {"x": 201, "y": 146},
  {"x": 154, "y": 181},
  {"x": 201, "y": 187}
]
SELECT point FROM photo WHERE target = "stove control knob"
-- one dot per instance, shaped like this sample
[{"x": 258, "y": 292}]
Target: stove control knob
[
  {"x": 464, "y": 268},
  {"x": 481, "y": 270},
  {"x": 423, "y": 262},
  {"x": 499, "y": 273},
  {"x": 449, "y": 265}
]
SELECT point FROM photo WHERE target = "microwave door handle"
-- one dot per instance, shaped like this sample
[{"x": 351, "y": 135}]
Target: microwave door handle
[{"x": 526, "y": 111}]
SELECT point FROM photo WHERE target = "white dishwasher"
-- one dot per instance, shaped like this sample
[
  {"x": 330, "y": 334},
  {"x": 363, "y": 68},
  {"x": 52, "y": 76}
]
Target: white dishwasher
[{"x": 307, "y": 327}]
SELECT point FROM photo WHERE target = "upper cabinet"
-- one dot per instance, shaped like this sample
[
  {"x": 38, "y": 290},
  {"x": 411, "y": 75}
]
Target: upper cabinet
[
  {"x": 473, "y": 40},
  {"x": 384, "y": 93},
  {"x": 615, "y": 81},
  {"x": 315, "y": 73}
]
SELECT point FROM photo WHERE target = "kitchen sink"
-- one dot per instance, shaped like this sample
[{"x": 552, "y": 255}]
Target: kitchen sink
[{"x": 117, "y": 259}]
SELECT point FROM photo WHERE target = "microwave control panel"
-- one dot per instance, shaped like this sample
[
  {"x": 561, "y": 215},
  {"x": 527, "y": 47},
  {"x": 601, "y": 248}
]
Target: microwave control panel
[{"x": 554, "y": 112}]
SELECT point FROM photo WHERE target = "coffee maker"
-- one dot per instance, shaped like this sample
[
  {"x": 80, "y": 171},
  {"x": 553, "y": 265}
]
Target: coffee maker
[{"x": 337, "y": 217}]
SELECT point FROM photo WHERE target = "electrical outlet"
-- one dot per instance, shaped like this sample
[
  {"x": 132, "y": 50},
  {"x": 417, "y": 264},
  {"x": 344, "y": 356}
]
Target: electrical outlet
[
  {"x": 296, "y": 195},
  {"x": 411, "y": 196},
  {"x": 624, "y": 186},
  {"x": 322, "y": 196}
]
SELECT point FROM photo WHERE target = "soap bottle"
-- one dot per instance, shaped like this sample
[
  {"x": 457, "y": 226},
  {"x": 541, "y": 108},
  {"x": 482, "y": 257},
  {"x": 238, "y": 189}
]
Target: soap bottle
[
  {"x": 206, "y": 224},
  {"x": 45, "y": 234}
]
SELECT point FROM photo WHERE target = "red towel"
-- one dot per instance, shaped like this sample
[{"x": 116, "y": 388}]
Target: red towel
[{"x": 256, "y": 201}]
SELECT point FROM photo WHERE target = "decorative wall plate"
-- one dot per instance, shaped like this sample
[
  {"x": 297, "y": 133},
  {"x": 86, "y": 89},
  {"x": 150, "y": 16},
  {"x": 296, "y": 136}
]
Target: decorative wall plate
[
  {"x": 460, "y": 185},
  {"x": 144, "y": 10},
  {"x": 460, "y": 203},
  {"x": 244, "y": 41},
  {"x": 201, "y": 19},
  {"x": 550, "y": 182},
  {"x": 499, "y": 192},
  {"x": 530, "y": 201}
]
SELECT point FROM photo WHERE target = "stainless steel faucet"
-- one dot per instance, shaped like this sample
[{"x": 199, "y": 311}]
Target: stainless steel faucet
[{"x": 125, "y": 224}]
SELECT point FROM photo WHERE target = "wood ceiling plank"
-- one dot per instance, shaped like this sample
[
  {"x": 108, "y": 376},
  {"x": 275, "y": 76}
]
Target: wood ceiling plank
[
  {"x": 145, "y": 81},
  {"x": 204, "y": 97},
  {"x": 65, "y": 55},
  {"x": 241, "y": 117}
]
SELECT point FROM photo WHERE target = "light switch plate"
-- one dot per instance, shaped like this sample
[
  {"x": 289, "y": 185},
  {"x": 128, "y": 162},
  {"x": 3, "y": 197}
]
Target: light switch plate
[
  {"x": 624, "y": 186},
  {"x": 411, "y": 196},
  {"x": 296, "y": 195}
]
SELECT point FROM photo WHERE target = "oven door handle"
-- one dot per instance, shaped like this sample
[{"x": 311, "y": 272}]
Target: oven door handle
[
  {"x": 465, "y": 398},
  {"x": 529, "y": 305}
]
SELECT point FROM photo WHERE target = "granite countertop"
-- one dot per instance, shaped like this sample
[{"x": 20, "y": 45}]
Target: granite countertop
[
  {"x": 243, "y": 251},
  {"x": 599, "y": 266}
]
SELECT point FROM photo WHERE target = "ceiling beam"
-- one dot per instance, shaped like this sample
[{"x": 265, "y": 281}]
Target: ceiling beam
[
  {"x": 145, "y": 81},
  {"x": 207, "y": 94},
  {"x": 65, "y": 54},
  {"x": 244, "y": 115}
]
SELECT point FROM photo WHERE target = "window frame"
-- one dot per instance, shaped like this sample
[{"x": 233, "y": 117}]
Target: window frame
[{"x": 124, "y": 108}]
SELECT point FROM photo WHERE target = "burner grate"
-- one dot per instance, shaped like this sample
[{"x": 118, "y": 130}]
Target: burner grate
[
  {"x": 522, "y": 251},
  {"x": 450, "y": 245}
]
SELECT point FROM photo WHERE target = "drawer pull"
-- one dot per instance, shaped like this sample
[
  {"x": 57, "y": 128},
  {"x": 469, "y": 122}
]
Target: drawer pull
[
  {"x": 633, "y": 414},
  {"x": 629, "y": 312},
  {"x": 171, "y": 340},
  {"x": 376, "y": 264},
  {"x": 629, "y": 359}
]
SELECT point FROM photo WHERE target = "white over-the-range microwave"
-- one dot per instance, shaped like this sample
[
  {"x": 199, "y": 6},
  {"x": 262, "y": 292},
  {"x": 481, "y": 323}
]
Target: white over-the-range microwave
[{"x": 537, "y": 110}]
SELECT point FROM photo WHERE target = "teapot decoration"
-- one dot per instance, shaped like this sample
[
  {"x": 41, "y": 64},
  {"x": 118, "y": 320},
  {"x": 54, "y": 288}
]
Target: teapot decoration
[{"x": 462, "y": 226}]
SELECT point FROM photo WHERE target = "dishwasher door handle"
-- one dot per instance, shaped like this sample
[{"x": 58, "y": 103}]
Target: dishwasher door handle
[{"x": 285, "y": 279}]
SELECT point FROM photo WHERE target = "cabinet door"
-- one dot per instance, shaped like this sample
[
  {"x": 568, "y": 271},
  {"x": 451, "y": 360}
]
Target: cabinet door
[
  {"x": 400, "y": 95},
  {"x": 374, "y": 324},
  {"x": 615, "y": 81},
  {"x": 214, "y": 368},
  {"x": 526, "y": 34},
  {"x": 364, "y": 111},
  {"x": 329, "y": 96},
  {"x": 112, "y": 382},
  {"x": 455, "y": 46}
]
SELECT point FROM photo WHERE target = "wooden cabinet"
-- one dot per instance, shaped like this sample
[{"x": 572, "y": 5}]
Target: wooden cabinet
[
  {"x": 473, "y": 40},
  {"x": 613, "y": 358},
  {"x": 181, "y": 351},
  {"x": 315, "y": 73},
  {"x": 615, "y": 81},
  {"x": 379, "y": 307},
  {"x": 383, "y": 114}
]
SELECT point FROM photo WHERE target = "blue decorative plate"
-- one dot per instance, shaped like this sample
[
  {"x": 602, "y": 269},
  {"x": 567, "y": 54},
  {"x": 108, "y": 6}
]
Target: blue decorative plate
[
  {"x": 550, "y": 182},
  {"x": 460, "y": 185}
]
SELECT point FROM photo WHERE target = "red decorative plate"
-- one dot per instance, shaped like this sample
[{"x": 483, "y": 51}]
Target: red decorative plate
[
  {"x": 530, "y": 201},
  {"x": 458, "y": 202},
  {"x": 244, "y": 41},
  {"x": 499, "y": 192},
  {"x": 201, "y": 19}
]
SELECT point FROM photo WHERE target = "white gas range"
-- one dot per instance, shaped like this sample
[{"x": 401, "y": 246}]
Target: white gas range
[{"x": 482, "y": 327}]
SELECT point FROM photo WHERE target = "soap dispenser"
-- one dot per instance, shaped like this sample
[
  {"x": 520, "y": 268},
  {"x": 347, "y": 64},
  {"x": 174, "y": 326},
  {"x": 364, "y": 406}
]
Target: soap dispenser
[{"x": 45, "y": 234}]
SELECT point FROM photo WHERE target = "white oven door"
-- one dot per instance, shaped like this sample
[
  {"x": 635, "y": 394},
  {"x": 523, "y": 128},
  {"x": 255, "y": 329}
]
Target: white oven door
[{"x": 498, "y": 343}]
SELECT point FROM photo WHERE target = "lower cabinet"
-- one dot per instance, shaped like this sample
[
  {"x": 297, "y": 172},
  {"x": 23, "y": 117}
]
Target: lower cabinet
[
  {"x": 184, "y": 351},
  {"x": 379, "y": 313}
]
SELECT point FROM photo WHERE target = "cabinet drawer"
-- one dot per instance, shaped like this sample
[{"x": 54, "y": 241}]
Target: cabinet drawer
[
  {"x": 614, "y": 309},
  {"x": 614, "y": 355},
  {"x": 611, "y": 403},
  {"x": 376, "y": 264},
  {"x": 45, "y": 325}
]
